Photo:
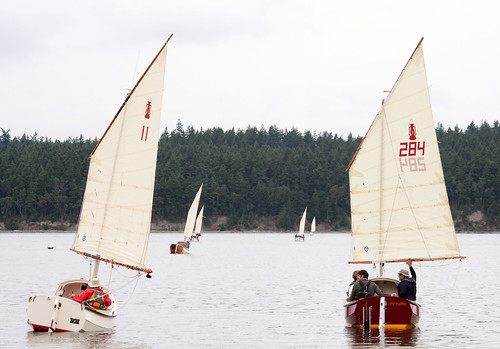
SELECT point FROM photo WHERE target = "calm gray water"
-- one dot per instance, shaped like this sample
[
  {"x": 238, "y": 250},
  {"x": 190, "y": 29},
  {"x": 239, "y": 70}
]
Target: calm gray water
[{"x": 250, "y": 291}]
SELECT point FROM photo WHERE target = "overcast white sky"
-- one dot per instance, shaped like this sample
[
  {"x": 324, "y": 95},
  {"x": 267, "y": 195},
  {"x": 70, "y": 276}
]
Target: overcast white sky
[{"x": 65, "y": 66}]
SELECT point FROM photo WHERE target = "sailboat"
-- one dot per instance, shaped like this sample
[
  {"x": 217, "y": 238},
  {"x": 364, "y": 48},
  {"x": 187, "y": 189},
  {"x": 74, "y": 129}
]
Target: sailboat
[
  {"x": 313, "y": 226},
  {"x": 302, "y": 227},
  {"x": 197, "y": 227},
  {"x": 183, "y": 246},
  {"x": 115, "y": 217},
  {"x": 399, "y": 204}
]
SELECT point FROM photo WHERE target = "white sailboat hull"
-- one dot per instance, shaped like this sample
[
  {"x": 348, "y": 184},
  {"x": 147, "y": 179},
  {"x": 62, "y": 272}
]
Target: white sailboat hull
[{"x": 59, "y": 313}]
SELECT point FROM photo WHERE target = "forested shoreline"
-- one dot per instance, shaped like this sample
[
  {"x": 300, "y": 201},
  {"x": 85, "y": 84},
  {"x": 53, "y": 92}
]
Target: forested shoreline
[{"x": 254, "y": 179}]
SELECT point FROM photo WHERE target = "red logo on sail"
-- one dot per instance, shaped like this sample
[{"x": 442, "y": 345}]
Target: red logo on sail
[
  {"x": 145, "y": 129},
  {"x": 413, "y": 131},
  {"x": 411, "y": 154},
  {"x": 148, "y": 110}
]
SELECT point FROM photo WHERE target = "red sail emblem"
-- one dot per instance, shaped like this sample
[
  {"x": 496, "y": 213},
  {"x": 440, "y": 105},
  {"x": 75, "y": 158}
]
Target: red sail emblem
[
  {"x": 413, "y": 131},
  {"x": 148, "y": 110}
]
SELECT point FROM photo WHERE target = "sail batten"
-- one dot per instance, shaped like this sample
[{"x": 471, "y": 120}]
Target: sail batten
[
  {"x": 115, "y": 218},
  {"x": 399, "y": 204}
]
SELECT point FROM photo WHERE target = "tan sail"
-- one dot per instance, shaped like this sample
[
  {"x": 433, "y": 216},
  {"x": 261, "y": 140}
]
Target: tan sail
[
  {"x": 399, "y": 204},
  {"x": 191, "y": 216},
  {"x": 302, "y": 225},
  {"x": 199, "y": 222},
  {"x": 116, "y": 213}
]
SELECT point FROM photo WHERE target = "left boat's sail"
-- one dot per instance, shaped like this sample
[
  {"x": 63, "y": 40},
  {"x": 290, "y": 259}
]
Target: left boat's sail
[
  {"x": 302, "y": 225},
  {"x": 115, "y": 218},
  {"x": 191, "y": 216}
]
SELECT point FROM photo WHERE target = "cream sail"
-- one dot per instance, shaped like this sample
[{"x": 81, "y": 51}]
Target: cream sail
[
  {"x": 115, "y": 218},
  {"x": 191, "y": 216},
  {"x": 199, "y": 223},
  {"x": 399, "y": 204},
  {"x": 302, "y": 227},
  {"x": 313, "y": 226}
]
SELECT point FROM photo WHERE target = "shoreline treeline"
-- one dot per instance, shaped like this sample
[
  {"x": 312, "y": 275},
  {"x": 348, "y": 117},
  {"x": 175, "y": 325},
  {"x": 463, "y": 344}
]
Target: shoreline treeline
[{"x": 250, "y": 176}]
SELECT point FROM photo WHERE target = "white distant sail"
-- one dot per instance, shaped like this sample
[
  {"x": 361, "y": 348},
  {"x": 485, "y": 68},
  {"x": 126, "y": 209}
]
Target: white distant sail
[
  {"x": 302, "y": 225},
  {"x": 191, "y": 216},
  {"x": 115, "y": 217},
  {"x": 399, "y": 204},
  {"x": 199, "y": 222},
  {"x": 313, "y": 225}
]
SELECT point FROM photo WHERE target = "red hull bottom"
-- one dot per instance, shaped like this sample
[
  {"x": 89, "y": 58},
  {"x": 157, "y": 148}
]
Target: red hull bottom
[
  {"x": 39, "y": 328},
  {"x": 400, "y": 313}
]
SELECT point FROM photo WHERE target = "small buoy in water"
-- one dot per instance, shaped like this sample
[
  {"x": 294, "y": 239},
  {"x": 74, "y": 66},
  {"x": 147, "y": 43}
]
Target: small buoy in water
[{"x": 50, "y": 247}]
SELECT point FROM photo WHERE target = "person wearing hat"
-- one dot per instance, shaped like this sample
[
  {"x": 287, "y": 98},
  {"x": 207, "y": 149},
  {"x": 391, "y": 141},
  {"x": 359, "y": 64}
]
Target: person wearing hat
[
  {"x": 407, "y": 287},
  {"x": 93, "y": 295}
]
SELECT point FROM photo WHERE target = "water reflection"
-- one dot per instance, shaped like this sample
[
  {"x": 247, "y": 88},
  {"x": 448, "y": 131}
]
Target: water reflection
[
  {"x": 69, "y": 339},
  {"x": 358, "y": 338}
]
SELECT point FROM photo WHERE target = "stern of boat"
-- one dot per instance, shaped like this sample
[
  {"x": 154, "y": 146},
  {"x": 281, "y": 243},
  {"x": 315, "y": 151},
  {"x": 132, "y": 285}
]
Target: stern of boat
[
  {"x": 400, "y": 313},
  {"x": 59, "y": 313}
]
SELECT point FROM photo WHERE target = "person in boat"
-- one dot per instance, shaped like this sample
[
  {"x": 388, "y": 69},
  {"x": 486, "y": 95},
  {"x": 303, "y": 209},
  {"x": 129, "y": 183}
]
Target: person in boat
[
  {"x": 354, "y": 279},
  {"x": 93, "y": 296},
  {"x": 364, "y": 288},
  {"x": 407, "y": 287}
]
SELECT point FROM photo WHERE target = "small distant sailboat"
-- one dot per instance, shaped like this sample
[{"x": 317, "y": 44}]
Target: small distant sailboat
[
  {"x": 302, "y": 227},
  {"x": 183, "y": 246},
  {"x": 197, "y": 227},
  {"x": 313, "y": 226},
  {"x": 115, "y": 218},
  {"x": 399, "y": 204}
]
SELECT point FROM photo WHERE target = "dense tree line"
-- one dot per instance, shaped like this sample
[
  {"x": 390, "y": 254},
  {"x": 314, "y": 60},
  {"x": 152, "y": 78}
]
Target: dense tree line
[{"x": 248, "y": 175}]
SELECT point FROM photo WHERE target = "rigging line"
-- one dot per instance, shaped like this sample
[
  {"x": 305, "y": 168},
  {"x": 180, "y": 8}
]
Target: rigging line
[
  {"x": 458, "y": 273},
  {"x": 386, "y": 124},
  {"x": 133, "y": 290},
  {"x": 110, "y": 274}
]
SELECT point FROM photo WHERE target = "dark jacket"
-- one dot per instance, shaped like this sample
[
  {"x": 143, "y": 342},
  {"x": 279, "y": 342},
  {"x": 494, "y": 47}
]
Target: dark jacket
[
  {"x": 364, "y": 285},
  {"x": 407, "y": 288}
]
